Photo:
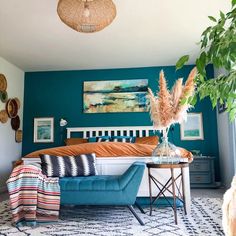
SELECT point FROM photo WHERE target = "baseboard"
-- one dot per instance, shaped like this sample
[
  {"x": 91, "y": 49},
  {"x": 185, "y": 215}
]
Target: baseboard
[{"x": 3, "y": 189}]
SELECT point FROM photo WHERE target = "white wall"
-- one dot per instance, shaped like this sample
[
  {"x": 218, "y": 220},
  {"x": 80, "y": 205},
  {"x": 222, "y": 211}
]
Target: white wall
[
  {"x": 9, "y": 149},
  {"x": 227, "y": 145}
]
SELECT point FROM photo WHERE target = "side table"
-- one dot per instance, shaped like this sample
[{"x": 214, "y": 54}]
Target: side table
[{"x": 164, "y": 187}]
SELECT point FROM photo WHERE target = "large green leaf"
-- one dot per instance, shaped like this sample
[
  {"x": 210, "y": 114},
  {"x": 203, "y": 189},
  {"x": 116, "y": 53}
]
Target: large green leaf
[
  {"x": 222, "y": 15},
  {"x": 203, "y": 58},
  {"x": 193, "y": 100},
  {"x": 206, "y": 30},
  {"x": 180, "y": 63},
  {"x": 212, "y": 18}
]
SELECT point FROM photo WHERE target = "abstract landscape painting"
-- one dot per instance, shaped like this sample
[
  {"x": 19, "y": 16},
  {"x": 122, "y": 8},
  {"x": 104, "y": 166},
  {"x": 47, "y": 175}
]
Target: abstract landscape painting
[{"x": 115, "y": 96}]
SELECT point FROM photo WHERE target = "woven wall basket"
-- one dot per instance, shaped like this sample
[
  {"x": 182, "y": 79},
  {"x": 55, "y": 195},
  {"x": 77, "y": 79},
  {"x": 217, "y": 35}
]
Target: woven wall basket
[
  {"x": 18, "y": 136},
  {"x": 15, "y": 123},
  {"x": 72, "y": 13},
  {"x": 18, "y": 102},
  {"x": 11, "y": 108},
  {"x": 3, "y": 96},
  {"x": 3, "y": 82},
  {"x": 3, "y": 116}
]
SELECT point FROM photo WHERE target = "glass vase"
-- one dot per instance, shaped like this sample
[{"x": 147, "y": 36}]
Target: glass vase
[{"x": 166, "y": 152}]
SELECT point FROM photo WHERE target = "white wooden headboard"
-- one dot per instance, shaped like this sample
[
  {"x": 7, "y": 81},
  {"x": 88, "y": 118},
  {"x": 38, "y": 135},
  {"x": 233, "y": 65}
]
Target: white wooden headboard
[{"x": 138, "y": 131}]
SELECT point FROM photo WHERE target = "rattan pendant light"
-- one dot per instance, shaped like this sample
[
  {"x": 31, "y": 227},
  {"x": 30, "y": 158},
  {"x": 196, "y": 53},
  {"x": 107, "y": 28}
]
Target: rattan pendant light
[{"x": 86, "y": 16}]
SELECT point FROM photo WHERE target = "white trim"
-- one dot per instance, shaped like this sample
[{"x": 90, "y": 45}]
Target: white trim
[{"x": 138, "y": 131}]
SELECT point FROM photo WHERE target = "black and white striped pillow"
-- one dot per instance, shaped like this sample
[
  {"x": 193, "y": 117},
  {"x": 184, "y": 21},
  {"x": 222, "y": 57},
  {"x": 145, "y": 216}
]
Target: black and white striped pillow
[{"x": 62, "y": 166}]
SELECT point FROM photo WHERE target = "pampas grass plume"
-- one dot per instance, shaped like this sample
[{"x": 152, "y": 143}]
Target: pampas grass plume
[
  {"x": 166, "y": 108},
  {"x": 154, "y": 109},
  {"x": 165, "y": 102},
  {"x": 177, "y": 92},
  {"x": 188, "y": 89}
]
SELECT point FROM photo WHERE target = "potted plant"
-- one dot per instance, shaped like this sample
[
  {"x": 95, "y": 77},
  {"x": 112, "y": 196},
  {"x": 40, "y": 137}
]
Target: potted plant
[
  {"x": 218, "y": 47},
  {"x": 167, "y": 108}
]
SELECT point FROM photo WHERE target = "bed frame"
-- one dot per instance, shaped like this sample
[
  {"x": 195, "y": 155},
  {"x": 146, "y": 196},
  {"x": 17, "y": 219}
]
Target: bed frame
[
  {"x": 138, "y": 131},
  {"x": 117, "y": 165}
]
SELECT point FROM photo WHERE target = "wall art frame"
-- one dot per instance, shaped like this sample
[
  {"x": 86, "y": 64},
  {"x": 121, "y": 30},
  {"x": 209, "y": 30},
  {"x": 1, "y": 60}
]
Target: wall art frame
[
  {"x": 192, "y": 128},
  {"x": 111, "y": 96},
  {"x": 44, "y": 130}
]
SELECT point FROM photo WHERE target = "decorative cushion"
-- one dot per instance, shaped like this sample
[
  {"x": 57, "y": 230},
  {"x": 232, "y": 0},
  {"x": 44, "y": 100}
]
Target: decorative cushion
[
  {"x": 99, "y": 139},
  {"x": 74, "y": 141},
  {"x": 151, "y": 140},
  {"x": 61, "y": 166},
  {"x": 123, "y": 139}
]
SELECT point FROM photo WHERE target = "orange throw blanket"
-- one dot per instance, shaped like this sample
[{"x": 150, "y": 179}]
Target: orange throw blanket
[{"x": 104, "y": 149}]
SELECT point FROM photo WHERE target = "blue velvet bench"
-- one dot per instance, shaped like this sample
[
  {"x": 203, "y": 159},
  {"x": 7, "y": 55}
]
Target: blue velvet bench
[{"x": 118, "y": 190}]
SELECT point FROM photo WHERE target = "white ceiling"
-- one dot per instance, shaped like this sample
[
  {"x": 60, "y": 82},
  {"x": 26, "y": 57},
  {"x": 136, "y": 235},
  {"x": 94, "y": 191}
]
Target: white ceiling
[{"x": 144, "y": 33}]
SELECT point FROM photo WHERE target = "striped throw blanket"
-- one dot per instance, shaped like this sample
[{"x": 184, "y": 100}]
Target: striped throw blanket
[{"x": 34, "y": 198}]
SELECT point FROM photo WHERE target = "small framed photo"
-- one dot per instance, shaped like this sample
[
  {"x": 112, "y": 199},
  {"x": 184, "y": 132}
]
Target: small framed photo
[
  {"x": 44, "y": 130},
  {"x": 192, "y": 128}
]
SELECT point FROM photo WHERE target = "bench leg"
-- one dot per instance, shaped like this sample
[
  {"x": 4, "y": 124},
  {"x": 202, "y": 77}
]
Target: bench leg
[
  {"x": 135, "y": 214},
  {"x": 139, "y": 207}
]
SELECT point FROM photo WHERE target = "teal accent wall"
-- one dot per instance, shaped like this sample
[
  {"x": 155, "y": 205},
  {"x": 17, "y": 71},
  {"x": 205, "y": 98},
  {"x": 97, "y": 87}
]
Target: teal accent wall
[{"x": 60, "y": 94}]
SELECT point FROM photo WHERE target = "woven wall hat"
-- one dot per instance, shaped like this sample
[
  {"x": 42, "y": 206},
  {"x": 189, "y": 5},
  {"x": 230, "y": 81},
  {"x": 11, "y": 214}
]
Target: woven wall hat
[
  {"x": 3, "y": 83},
  {"x": 15, "y": 123},
  {"x": 12, "y": 108},
  {"x": 3, "y": 96},
  {"x": 3, "y": 116},
  {"x": 18, "y": 136},
  {"x": 18, "y": 102}
]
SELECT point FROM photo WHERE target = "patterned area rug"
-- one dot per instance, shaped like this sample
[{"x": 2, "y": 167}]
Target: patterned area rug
[{"x": 204, "y": 220}]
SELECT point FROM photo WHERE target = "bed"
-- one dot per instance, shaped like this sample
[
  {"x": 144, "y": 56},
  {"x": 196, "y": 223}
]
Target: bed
[{"x": 117, "y": 165}]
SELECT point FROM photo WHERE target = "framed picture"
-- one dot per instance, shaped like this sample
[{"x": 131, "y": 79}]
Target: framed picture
[
  {"x": 115, "y": 96},
  {"x": 44, "y": 130},
  {"x": 192, "y": 128}
]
